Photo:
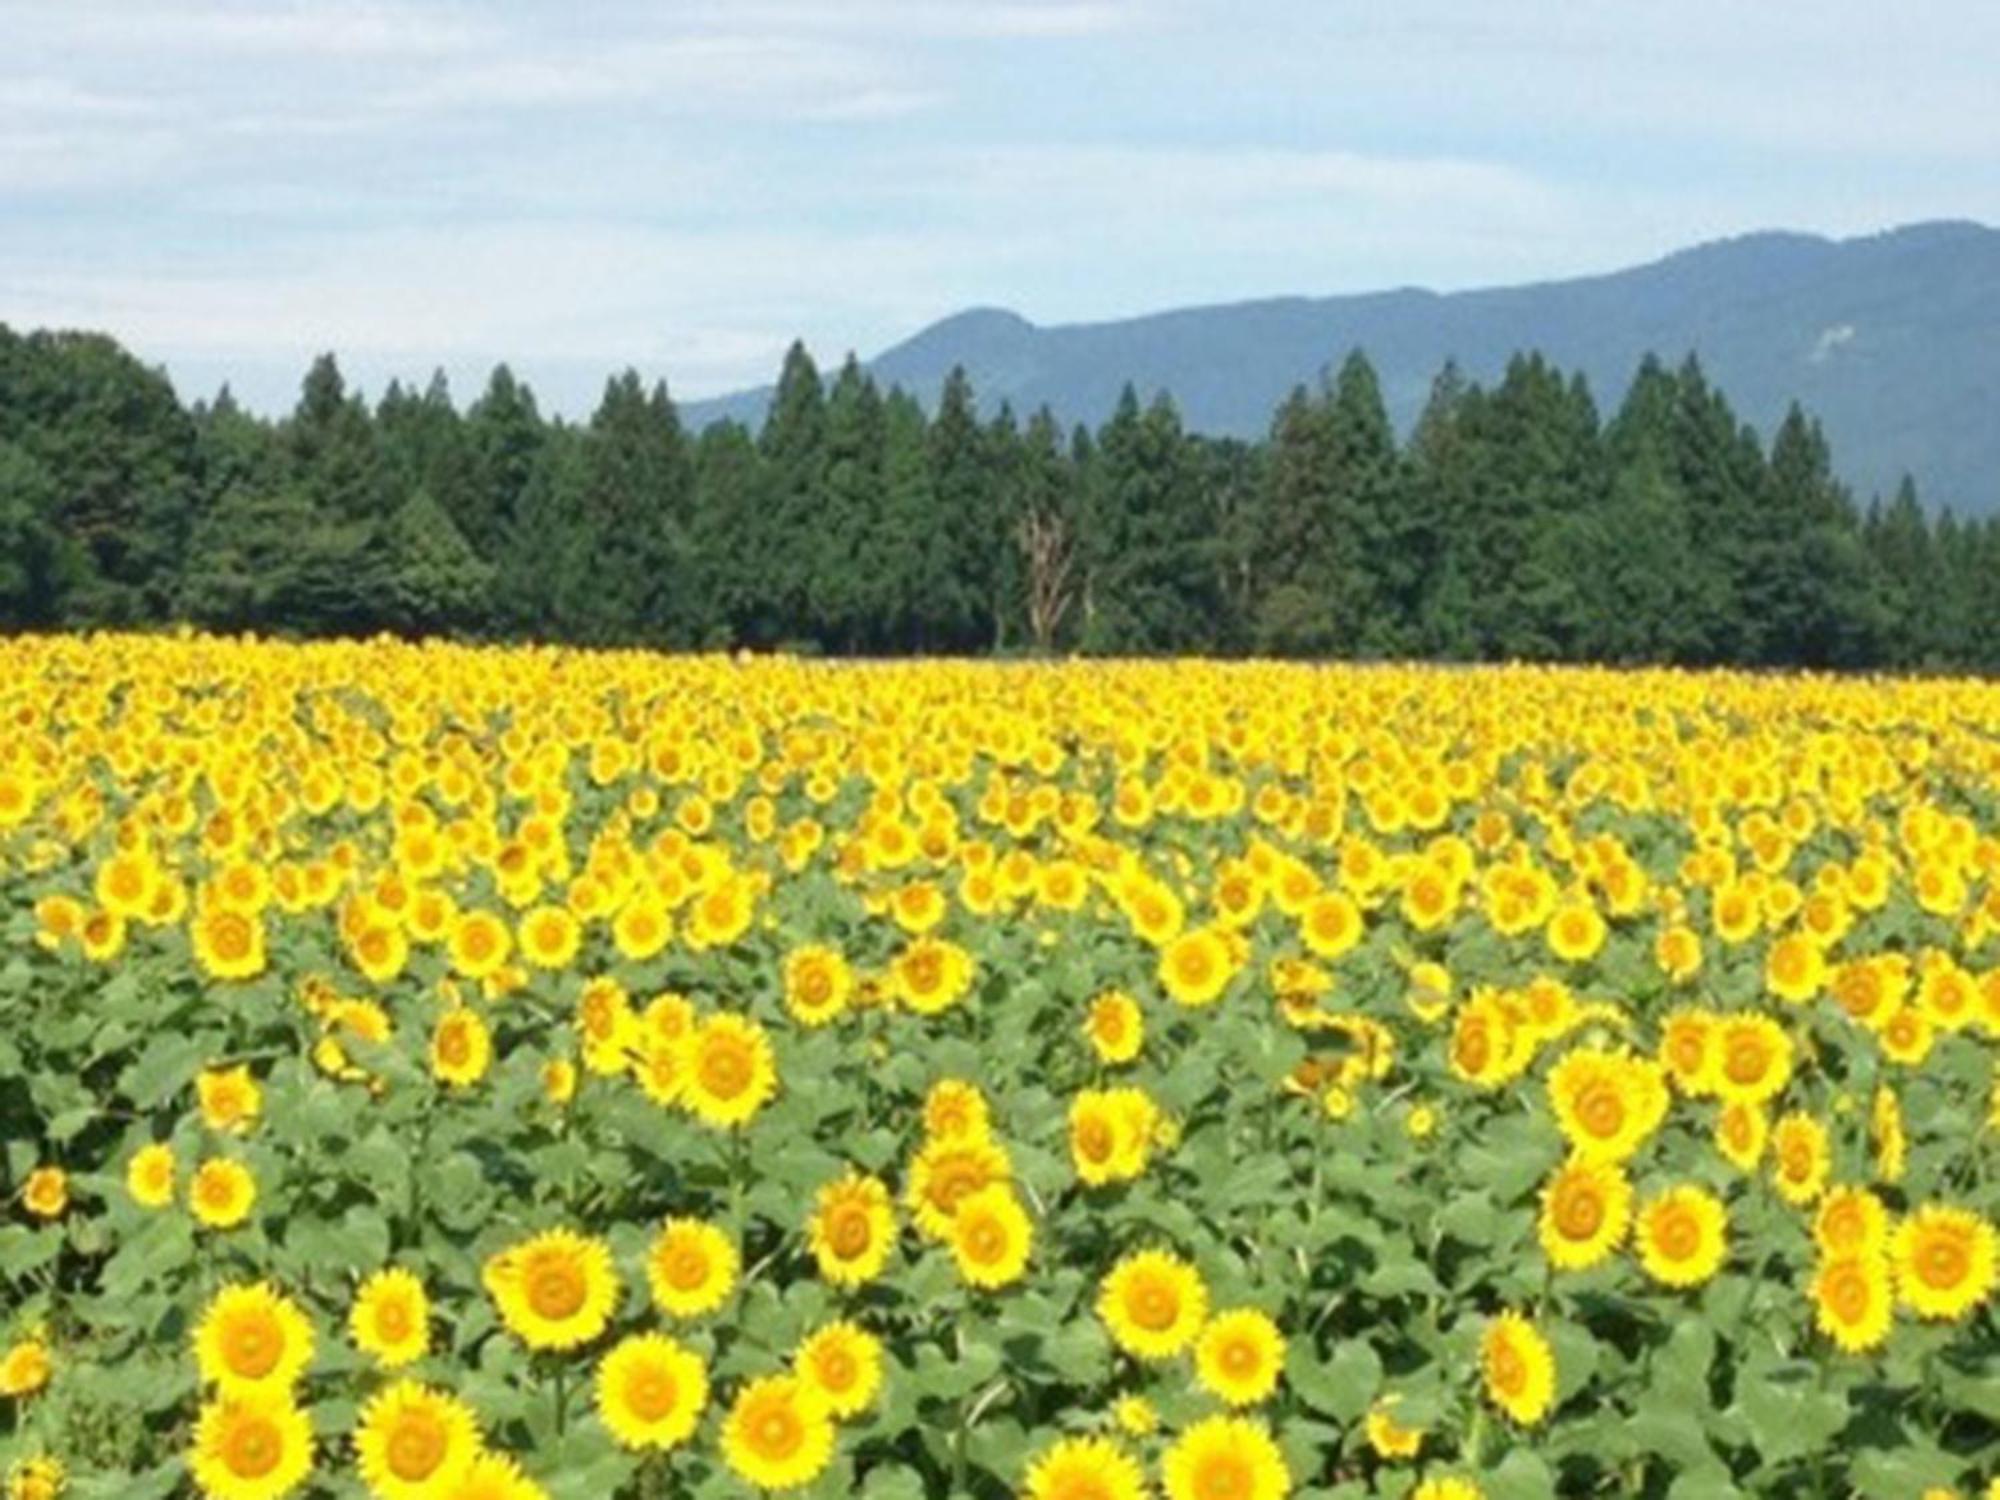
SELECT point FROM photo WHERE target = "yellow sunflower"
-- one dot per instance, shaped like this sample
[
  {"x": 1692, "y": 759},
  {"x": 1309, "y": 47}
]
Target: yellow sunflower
[
  {"x": 1447, "y": 1487},
  {"x": 729, "y": 1072},
  {"x": 252, "y": 1340},
  {"x": 651, "y": 1392},
  {"x": 991, "y": 1237},
  {"x": 149, "y": 1176},
  {"x": 550, "y": 937},
  {"x": 1154, "y": 1304},
  {"x": 1084, "y": 1468},
  {"x": 555, "y": 1290},
  {"x": 1752, "y": 1059},
  {"x": 1518, "y": 1367},
  {"x": 1852, "y": 1298},
  {"x": 1606, "y": 1104},
  {"x": 1800, "y": 1158},
  {"x": 492, "y": 1476},
  {"x": 1682, "y": 1236},
  {"x": 1196, "y": 967},
  {"x": 480, "y": 944},
  {"x": 1741, "y": 1131},
  {"x": 461, "y": 1048},
  {"x": 947, "y": 1172},
  {"x": 1111, "y": 1134},
  {"x": 778, "y": 1435},
  {"x": 955, "y": 1110},
  {"x": 1225, "y": 1458},
  {"x": 1586, "y": 1209},
  {"x": 251, "y": 1447},
  {"x": 1239, "y": 1355},
  {"x": 1115, "y": 1028},
  {"x": 842, "y": 1365},
  {"x": 230, "y": 1099},
  {"x": 412, "y": 1441},
  {"x": 691, "y": 1268},
  {"x": 818, "y": 984},
  {"x": 1851, "y": 1221},
  {"x": 852, "y": 1230},
  {"x": 1944, "y": 1259},
  {"x": 1388, "y": 1437},
  {"x": 221, "y": 1193},
  {"x": 391, "y": 1318}
]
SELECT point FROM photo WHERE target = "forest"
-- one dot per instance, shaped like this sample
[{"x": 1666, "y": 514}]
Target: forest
[{"x": 1515, "y": 521}]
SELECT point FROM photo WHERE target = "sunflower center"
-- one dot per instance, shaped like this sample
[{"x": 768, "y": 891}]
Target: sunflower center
[
  {"x": 1745, "y": 1061},
  {"x": 1093, "y": 1139},
  {"x": 253, "y": 1449},
  {"x": 556, "y": 1290},
  {"x": 849, "y": 1232},
  {"x": 986, "y": 1241},
  {"x": 392, "y": 1320},
  {"x": 417, "y": 1447},
  {"x": 1224, "y": 1476},
  {"x": 1510, "y": 1374},
  {"x": 1154, "y": 1307},
  {"x": 254, "y": 1347},
  {"x": 777, "y": 1432},
  {"x": 725, "y": 1070},
  {"x": 1239, "y": 1357},
  {"x": 1678, "y": 1235},
  {"x": 837, "y": 1369},
  {"x": 1601, "y": 1111},
  {"x": 652, "y": 1394},
  {"x": 1580, "y": 1213},
  {"x": 1943, "y": 1263},
  {"x": 1847, "y": 1294},
  {"x": 687, "y": 1268}
]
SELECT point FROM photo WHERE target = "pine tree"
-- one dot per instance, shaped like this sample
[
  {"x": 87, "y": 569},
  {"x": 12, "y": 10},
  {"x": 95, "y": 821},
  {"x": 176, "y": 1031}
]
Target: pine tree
[
  {"x": 432, "y": 579},
  {"x": 850, "y": 521},
  {"x": 504, "y": 433}
]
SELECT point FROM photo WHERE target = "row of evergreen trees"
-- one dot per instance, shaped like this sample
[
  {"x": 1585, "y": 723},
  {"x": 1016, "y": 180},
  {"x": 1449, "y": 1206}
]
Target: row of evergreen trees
[{"x": 1514, "y": 522}]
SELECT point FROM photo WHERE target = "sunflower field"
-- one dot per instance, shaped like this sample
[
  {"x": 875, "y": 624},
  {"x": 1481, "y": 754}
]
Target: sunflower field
[{"x": 446, "y": 1073}]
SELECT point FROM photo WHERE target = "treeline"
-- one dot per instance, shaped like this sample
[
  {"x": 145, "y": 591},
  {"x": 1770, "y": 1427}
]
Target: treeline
[{"x": 1515, "y": 522}]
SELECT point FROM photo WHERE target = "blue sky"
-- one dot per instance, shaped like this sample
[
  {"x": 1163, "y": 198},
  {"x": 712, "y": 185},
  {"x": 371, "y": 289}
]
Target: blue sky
[{"x": 682, "y": 187}]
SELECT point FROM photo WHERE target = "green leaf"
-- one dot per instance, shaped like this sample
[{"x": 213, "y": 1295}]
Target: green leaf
[{"x": 1343, "y": 1385}]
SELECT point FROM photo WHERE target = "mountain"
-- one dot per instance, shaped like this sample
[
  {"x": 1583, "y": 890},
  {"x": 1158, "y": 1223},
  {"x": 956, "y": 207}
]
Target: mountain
[{"x": 1891, "y": 340}]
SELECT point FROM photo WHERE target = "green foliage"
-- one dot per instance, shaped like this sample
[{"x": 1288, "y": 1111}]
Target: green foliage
[{"x": 1512, "y": 523}]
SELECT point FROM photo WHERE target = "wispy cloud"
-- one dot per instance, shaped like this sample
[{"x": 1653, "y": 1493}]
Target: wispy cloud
[{"x": 235, "y": 184}]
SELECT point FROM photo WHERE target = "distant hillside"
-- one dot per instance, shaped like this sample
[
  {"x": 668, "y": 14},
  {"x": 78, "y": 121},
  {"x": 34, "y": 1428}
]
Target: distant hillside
[{"x": 1893, "y": 341}]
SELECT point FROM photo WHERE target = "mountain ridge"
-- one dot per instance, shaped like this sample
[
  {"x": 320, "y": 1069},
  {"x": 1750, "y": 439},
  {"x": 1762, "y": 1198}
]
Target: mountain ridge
[{"x": 1891, "y": 339}]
